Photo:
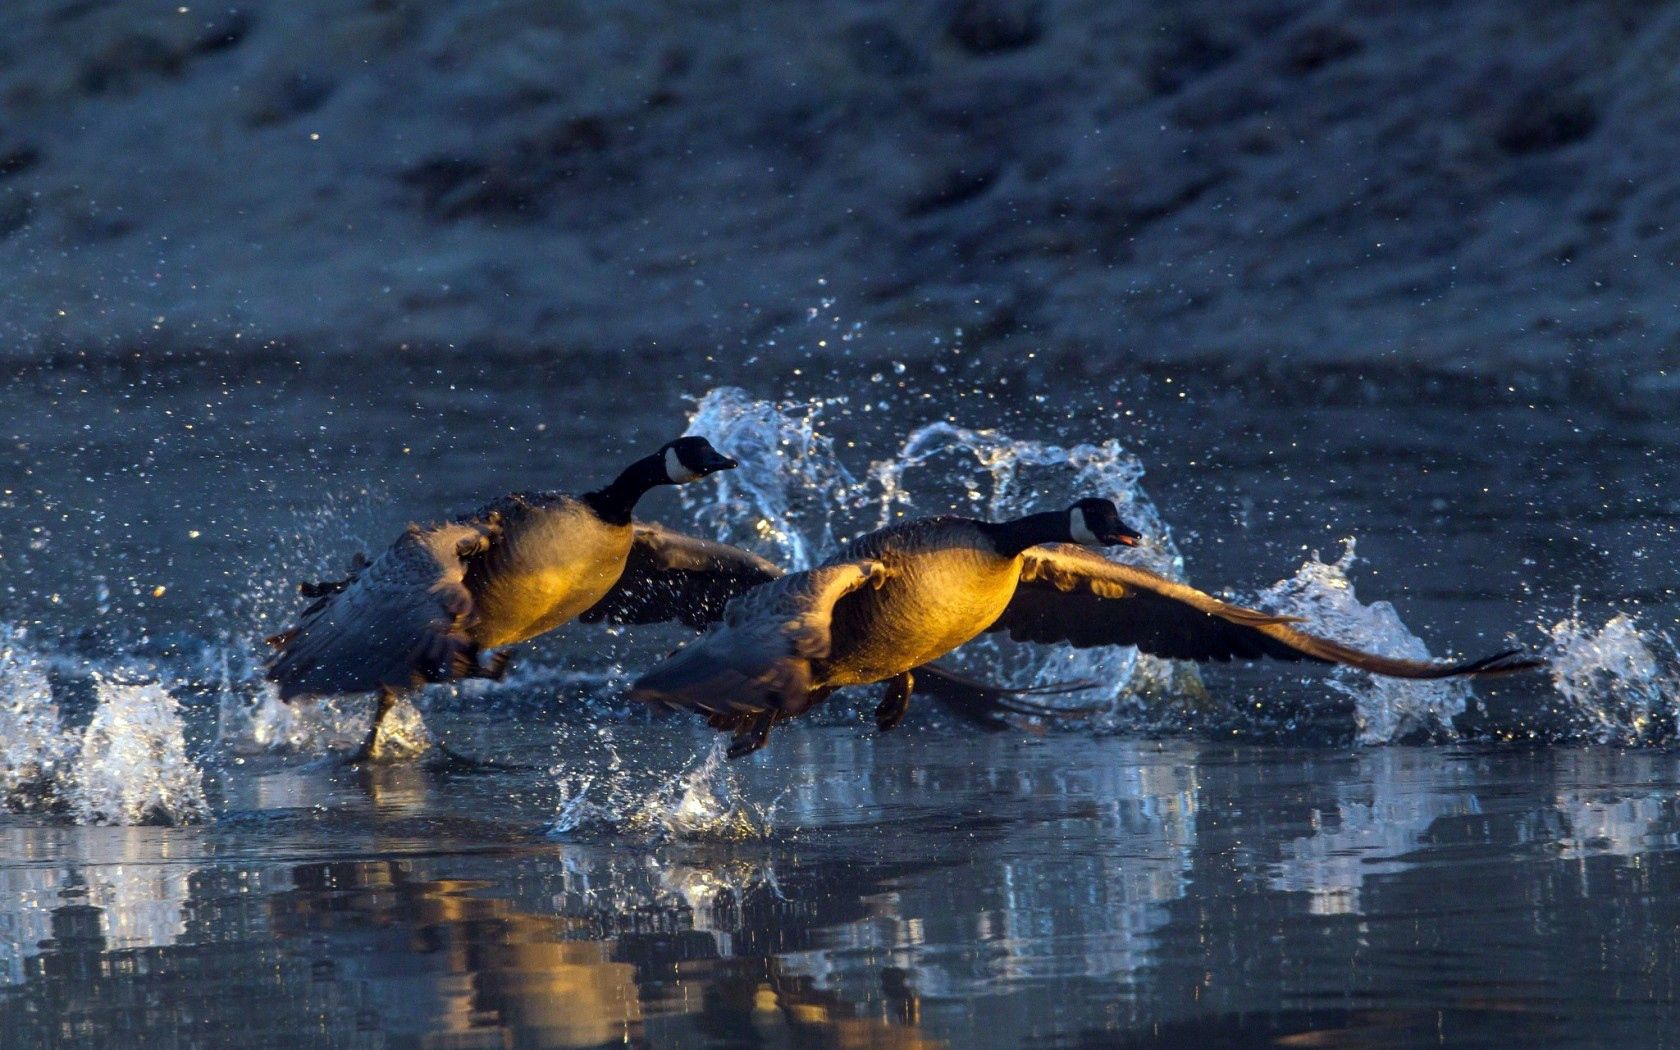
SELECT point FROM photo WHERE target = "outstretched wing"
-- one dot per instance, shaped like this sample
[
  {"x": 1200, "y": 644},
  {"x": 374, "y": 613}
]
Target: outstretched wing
[
  {"x": 670, "y": 576},
  {"x": 759, "y": 658},
  {"x": 396, "y": 622},
  {"x": 1068, "y": 594}
]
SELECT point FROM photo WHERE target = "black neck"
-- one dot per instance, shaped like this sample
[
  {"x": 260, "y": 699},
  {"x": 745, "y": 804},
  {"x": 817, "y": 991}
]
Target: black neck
[
  {"x": 614, "y": 503},
  {"x": 1012, "y": 537}
]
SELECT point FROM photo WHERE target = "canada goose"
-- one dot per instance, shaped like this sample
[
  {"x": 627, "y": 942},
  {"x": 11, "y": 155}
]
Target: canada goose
[
  {"x": 907, "y": 594},
  {"x": 442, "y": 595}
]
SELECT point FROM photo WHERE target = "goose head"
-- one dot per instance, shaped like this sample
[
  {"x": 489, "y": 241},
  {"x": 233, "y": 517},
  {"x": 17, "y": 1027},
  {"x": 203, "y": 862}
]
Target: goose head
[
  {"x": 692, "y": 458},
  {"x": 1096, "y": 523}
]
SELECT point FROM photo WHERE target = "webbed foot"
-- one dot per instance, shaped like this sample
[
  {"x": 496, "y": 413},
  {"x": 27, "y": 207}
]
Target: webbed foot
[{"x": 752, "y": 735}]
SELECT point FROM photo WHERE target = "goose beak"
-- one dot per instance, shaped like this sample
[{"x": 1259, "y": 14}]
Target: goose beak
[
  {"x": 1121, "y": 536},
  {"x": 715, "y": 461}
]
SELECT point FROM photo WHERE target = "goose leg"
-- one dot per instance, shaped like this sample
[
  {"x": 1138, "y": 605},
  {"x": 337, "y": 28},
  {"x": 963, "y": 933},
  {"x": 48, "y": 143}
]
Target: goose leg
[
  {"x": 751, "y": 734},
  {"x": 895, "y": 704},
  {"x": 447, "y": 759},
  {"x": 387, "y": 700}
]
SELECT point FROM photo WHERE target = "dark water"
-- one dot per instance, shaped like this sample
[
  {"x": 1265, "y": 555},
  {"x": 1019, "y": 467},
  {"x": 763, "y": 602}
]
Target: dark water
[
  {"x": 927, "y": 889},
  {"x": 1201, "y": 881}
]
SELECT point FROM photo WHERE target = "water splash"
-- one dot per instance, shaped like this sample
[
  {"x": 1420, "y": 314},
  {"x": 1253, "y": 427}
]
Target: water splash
[
  {"x": 1003, "y": 477},
  {"x": 250, "y": 717},
  {"x": 128, "y": 765},
  {"x": 784, "y": 497},
  {"x": 1386, "y": 710},
  {"x": 703, "y": 802},
  {"x": 35, "y": 754},
  {"x": 133, "y": 766},
  {"x": 594, "y": 788},
  {"x": 1614, "y": 686},
  {"x": 251, "y": 724}
]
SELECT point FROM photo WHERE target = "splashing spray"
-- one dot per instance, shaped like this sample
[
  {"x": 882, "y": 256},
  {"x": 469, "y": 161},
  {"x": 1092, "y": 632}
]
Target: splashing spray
[{"x": 1386, "y": 710}]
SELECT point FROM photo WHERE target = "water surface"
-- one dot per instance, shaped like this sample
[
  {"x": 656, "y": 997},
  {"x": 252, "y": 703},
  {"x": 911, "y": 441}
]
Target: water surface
[{"x": 1260, "y": 856}]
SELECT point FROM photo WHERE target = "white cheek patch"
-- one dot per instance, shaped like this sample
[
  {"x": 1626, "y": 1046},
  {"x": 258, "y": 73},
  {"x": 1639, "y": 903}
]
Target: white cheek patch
[
  {"x": 676, "y": 470},
  {"x": 1080, "y": 532}
]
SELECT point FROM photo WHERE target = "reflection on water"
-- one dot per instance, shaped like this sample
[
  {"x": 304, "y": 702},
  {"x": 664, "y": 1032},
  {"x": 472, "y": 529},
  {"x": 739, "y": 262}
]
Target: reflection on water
[
  {"x": 123, "y": 888},
  {"x": 1379, "y": 819},
  {"x": 1402, "y": 800},
  {"x": 940, "y": 890}
]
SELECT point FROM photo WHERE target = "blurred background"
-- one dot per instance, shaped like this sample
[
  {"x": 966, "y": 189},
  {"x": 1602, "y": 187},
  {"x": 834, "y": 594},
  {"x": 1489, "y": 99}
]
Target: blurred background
[{"x": 1480, "y": 190}]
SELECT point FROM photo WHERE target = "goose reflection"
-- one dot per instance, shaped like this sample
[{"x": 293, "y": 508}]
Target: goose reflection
[{"x": 446, "y": 962}]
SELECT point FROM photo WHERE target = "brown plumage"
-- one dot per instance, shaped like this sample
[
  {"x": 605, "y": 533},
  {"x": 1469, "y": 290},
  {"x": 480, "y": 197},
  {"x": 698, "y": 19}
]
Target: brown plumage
[
  {"x": 900, "y": 597},
  {"x": 432, "y": 606}
]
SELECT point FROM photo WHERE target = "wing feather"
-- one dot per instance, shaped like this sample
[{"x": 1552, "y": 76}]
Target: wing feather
[
  {"x": 670, "y": 576},
  {"x": 759, "y": 658},
  {"x": 1070, "y": 595},
  {"x": 400, "y": 621}
]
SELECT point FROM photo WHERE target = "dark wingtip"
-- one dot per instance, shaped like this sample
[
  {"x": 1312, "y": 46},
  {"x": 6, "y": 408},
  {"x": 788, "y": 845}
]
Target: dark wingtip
[{"x": 1506, "y": 661}]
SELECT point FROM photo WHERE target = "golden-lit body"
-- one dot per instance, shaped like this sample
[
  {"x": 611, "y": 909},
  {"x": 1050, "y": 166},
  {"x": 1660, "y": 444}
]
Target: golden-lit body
[
  {"x": 942, "y": 588},
  {"x": 553, "y": 560},
  {"x": 434, "y": 603}
]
